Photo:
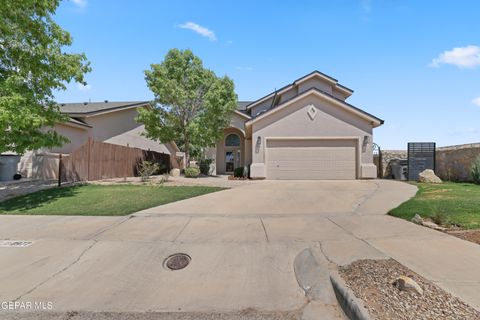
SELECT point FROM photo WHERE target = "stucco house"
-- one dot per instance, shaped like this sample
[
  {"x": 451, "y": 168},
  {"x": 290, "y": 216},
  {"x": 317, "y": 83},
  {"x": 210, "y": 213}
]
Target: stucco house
[
  {"x": 110, "y": 122},
  {"x": 305, "y": 130}
]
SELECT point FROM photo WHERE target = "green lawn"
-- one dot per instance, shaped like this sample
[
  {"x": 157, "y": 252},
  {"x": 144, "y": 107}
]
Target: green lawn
[
  {"x": 459, "y": 202},
  {"x": 97, "y": 200}
]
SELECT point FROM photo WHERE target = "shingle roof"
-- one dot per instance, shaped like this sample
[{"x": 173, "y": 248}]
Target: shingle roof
[
  {"x": 242, "y": 105},
  {"x": 94, "y": 107}
]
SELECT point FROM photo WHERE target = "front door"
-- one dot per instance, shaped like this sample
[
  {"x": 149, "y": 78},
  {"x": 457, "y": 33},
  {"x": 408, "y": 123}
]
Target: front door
[{"x": 232, "y": 160}]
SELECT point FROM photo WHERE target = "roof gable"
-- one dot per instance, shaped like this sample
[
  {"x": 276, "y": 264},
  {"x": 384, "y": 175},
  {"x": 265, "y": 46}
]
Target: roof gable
[
  {"x": 315, "y": 74},
  {"x": 326, "y": 96}
]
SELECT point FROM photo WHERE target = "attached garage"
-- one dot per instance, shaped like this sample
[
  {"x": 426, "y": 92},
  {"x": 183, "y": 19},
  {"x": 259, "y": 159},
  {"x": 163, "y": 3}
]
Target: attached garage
[{"x": 313, "y": 158}]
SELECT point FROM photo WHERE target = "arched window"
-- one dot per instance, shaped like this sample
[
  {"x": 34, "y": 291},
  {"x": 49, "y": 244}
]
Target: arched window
[{"x": 232, "y": 140}]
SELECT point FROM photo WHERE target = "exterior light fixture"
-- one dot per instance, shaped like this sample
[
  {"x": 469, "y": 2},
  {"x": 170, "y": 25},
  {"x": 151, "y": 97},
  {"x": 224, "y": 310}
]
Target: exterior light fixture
[
  {"x": 366, "y": 140},
  {"x": 257, "y": 145}
]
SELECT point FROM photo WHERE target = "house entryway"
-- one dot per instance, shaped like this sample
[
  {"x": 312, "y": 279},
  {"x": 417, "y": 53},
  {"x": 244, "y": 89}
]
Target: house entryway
[{"x": 232, "y": 160}]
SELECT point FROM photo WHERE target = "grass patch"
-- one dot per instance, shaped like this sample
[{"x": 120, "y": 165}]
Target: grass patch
[
  {"x": 98, "y": 200},
  {"x": 457, "y": 203}
]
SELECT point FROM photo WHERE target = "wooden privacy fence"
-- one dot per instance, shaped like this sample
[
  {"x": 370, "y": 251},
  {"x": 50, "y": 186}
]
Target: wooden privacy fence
[{"x": 99, "y": 160}]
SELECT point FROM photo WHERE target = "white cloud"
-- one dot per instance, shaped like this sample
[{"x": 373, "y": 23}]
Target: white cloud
[
  {"x": 476, "y": 101},
  {"x": 80, "y": 3},
  {"x": 82, "y": 87},
  {"x": 462, "y": 57},
  {"x": 204, "y": 32}
]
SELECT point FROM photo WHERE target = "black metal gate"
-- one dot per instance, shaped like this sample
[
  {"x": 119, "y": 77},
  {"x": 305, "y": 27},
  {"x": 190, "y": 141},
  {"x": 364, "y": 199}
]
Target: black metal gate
[
  {"x": 421, "y": 156},
  {"x": 377, "y": 159}
]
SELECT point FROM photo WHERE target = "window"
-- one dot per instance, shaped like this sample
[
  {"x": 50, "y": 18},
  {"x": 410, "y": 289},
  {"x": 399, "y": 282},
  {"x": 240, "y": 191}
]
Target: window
[{"x": 232, "y": 140}]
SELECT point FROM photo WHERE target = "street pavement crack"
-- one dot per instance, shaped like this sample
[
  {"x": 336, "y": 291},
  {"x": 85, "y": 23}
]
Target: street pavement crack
[
  {"x": 353, "y": 235},
  {"x": 58, "y": 272},
  {"x": 109, "y": 227},
  {"x": 324, "y": 254},
  {"x": 183, "y": 229},
  {"x": 366, "y": 197},
  {"x": 264, "y": 230}
]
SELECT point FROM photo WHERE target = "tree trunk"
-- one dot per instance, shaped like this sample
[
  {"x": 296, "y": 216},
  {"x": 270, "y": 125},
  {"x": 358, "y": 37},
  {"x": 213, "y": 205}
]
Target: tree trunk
[{"x": 187, "y": 152}]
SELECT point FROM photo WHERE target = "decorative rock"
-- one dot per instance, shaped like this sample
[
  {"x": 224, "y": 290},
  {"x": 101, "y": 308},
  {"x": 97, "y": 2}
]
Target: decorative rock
[
  {"x": 175, "y": 172},
  {"x": 428, "y": 176},
  {"x": 433, "y": 225},
  {"x": 417, "y": 219},
  {"x": 407, "y": 284}
]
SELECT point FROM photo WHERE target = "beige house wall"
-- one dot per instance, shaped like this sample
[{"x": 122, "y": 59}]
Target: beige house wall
[
  {"x": 77, "y": 136},
  {"x": 315, "y": 82},
  {"x": 117, "y": 127},
  {"x": 330, "y": 121}
]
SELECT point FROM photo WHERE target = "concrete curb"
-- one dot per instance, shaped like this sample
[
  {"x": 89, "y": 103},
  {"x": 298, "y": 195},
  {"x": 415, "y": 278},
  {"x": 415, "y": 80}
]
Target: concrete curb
[{"x": 351, "y": 305}]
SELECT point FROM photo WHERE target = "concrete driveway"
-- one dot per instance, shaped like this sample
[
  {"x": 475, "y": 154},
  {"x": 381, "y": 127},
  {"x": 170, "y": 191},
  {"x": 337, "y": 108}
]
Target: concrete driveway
[{"x": 243, "y": 243}]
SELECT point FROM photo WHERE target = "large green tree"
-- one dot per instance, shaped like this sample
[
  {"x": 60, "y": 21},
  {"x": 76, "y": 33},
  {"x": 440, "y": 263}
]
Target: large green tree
[
  {"x": 192, "y": 105},
  {"x": 33, "y": 64}
]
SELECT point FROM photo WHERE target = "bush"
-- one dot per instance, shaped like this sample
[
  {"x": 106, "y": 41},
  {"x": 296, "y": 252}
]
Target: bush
[
  {"x": 146, "y": 169},
  {"x": 476, "y": 170},
  {"x": 240, "y": 172},
  {"x": 192, "y": 172},
  {"x": 440, "y": 217},
  {"x": 204, "y": 165}
]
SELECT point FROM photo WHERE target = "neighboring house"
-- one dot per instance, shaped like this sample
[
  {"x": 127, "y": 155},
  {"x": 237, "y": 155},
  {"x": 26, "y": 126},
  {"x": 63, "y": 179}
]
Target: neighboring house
[
  {"x": 304, "y": 130},
  {"x": 110, "y": 122}
]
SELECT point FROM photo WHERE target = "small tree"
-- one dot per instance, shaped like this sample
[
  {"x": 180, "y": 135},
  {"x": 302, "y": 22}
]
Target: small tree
[
  {"x": 476, "y": 170},
  {"x": 32, "y": 66},
  {"x": 192, "y": 105}
]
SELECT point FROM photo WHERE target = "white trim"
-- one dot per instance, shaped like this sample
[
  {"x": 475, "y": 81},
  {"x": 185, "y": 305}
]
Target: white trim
[
  {"x": 74, "y": 125},
  {"x": 316, "y": 74},
  {"x": 358, "y": 158},
  {"x": 242, "y": 114},
  {"x": 321, "y": 95}
]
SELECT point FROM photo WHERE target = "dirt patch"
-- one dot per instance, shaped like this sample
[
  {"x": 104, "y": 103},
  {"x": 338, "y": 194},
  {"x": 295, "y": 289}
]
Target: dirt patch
[
  {"x": 469, "y": 235},
  {"x": 372, "y": 282}
]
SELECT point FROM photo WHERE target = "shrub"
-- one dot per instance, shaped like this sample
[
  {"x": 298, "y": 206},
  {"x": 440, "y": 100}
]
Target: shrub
[
  {"x": 440, "y": 217},
  {"x": 204, "y": 165},
  {"x": 240, "y": 172},
  {"x": 192, "y": 172},
  {"x": 146, "y": 169},
  {"x": 476, "y": 170}
]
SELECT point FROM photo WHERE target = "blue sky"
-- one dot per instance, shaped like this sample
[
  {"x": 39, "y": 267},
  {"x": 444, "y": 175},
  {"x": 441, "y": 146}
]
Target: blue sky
[{"x": 415, "y": 64}]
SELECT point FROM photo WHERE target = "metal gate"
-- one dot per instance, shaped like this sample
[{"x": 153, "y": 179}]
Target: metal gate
[
  {"x": 377, "y": 159},
  {"x": 421, "y": 156}
]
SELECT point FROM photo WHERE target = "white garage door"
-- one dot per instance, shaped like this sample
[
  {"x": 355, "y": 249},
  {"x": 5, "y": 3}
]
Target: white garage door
[{"x": 311, "y": 159}]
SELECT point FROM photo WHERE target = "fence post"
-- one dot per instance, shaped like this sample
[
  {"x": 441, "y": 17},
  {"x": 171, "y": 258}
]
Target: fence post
[
  {"x": 88, "y": 158},
  {"x": 60, "y": 170}
]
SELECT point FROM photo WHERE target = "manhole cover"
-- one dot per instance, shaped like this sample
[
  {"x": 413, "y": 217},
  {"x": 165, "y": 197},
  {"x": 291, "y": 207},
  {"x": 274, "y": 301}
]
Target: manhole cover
[
  {"x": 177, "y": 261},
  {"x": 15, "y": 243}
]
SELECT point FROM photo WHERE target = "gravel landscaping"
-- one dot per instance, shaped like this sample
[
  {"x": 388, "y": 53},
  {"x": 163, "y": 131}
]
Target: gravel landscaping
[
  {"x": 469, "y": 235},
  {"x": 372, "y": 281}
]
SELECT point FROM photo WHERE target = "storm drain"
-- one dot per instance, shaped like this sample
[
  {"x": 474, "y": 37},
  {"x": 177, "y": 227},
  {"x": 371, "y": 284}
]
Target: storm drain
[
  {"x": 15, "y": 243},
  {"x": 177, "y": 261}
]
